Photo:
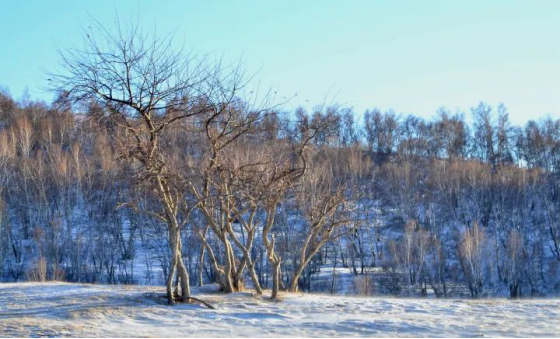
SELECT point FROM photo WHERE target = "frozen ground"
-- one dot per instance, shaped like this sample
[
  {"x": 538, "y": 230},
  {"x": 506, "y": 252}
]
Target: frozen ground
[{"x": 57, "y": 309}]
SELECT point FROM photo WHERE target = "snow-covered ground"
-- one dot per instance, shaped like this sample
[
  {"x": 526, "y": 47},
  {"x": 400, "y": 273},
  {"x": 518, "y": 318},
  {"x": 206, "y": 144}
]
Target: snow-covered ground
[{"x": 59, "y": 309}]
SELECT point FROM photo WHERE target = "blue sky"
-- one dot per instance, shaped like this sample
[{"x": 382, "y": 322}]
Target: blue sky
[{"x": 411, "y": 56}]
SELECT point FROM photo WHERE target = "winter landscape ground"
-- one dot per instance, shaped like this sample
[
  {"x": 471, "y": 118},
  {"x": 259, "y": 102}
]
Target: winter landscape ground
[{"x": 81, "y": 310}]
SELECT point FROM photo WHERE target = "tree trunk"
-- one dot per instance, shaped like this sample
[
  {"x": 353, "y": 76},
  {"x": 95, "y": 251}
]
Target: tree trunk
[
  {"x": 230, "y": 265},
  {"x": 173, "y": 244},
  {"x": 305, "y": 259},
  {"x": 295, "y": 279},
  {"x": 254, "y": 278},
  {"x": 177, "y": 266},
  {"x": 182, "y": 272},
  {"x": 201, "y": 266},
  {"x": 275, "y": 279},
  {"x": 201, "y": 259}
]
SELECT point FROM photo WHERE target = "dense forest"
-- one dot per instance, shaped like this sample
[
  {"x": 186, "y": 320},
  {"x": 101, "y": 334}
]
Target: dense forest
[{"x": 152, "y": 167}]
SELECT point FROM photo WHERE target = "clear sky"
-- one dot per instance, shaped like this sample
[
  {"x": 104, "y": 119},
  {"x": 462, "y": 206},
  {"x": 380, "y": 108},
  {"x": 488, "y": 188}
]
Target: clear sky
[{"x": 411, "y": 56}]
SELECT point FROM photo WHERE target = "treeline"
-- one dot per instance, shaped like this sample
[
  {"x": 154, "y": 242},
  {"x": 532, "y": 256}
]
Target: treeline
[
  {"x": 153, "y": 166},
  {"x": 408, "y": 206}
]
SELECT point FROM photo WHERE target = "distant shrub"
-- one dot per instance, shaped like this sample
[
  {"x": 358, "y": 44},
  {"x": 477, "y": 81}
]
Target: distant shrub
[
  {"x": 37, "y": 272},
  {"x": 363, "y": 284},
  {"x": 57, "y": 273}
]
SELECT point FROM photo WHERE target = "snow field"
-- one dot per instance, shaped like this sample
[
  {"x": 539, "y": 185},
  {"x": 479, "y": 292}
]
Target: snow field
[{"x": 75, "y": 310}]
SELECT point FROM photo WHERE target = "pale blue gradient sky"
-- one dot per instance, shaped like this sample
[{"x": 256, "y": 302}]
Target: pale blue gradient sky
[{"x": 411, "y": 56}]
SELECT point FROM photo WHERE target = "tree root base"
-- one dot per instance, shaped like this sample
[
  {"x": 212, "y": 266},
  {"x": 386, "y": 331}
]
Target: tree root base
[
  {"x": 189, "y": 300},
  {"x": 192, "y": 300}
]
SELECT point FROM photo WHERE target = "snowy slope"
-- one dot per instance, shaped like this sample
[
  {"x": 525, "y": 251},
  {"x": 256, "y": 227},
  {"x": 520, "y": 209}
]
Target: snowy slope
[{"x": 58, "y": 309}]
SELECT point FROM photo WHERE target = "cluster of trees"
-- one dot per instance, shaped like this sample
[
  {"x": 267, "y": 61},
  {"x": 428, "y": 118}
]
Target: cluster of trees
[{"x": 153, "y": 165}]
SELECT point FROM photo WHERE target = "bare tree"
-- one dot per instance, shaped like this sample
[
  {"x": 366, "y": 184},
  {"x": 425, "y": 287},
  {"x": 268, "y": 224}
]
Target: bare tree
[
  {"x": 471, "y": 251},
  {"x": 224, "y": 187},
  {"x": 326, "y": 202},
  {"x": 146, "y": 87}
]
